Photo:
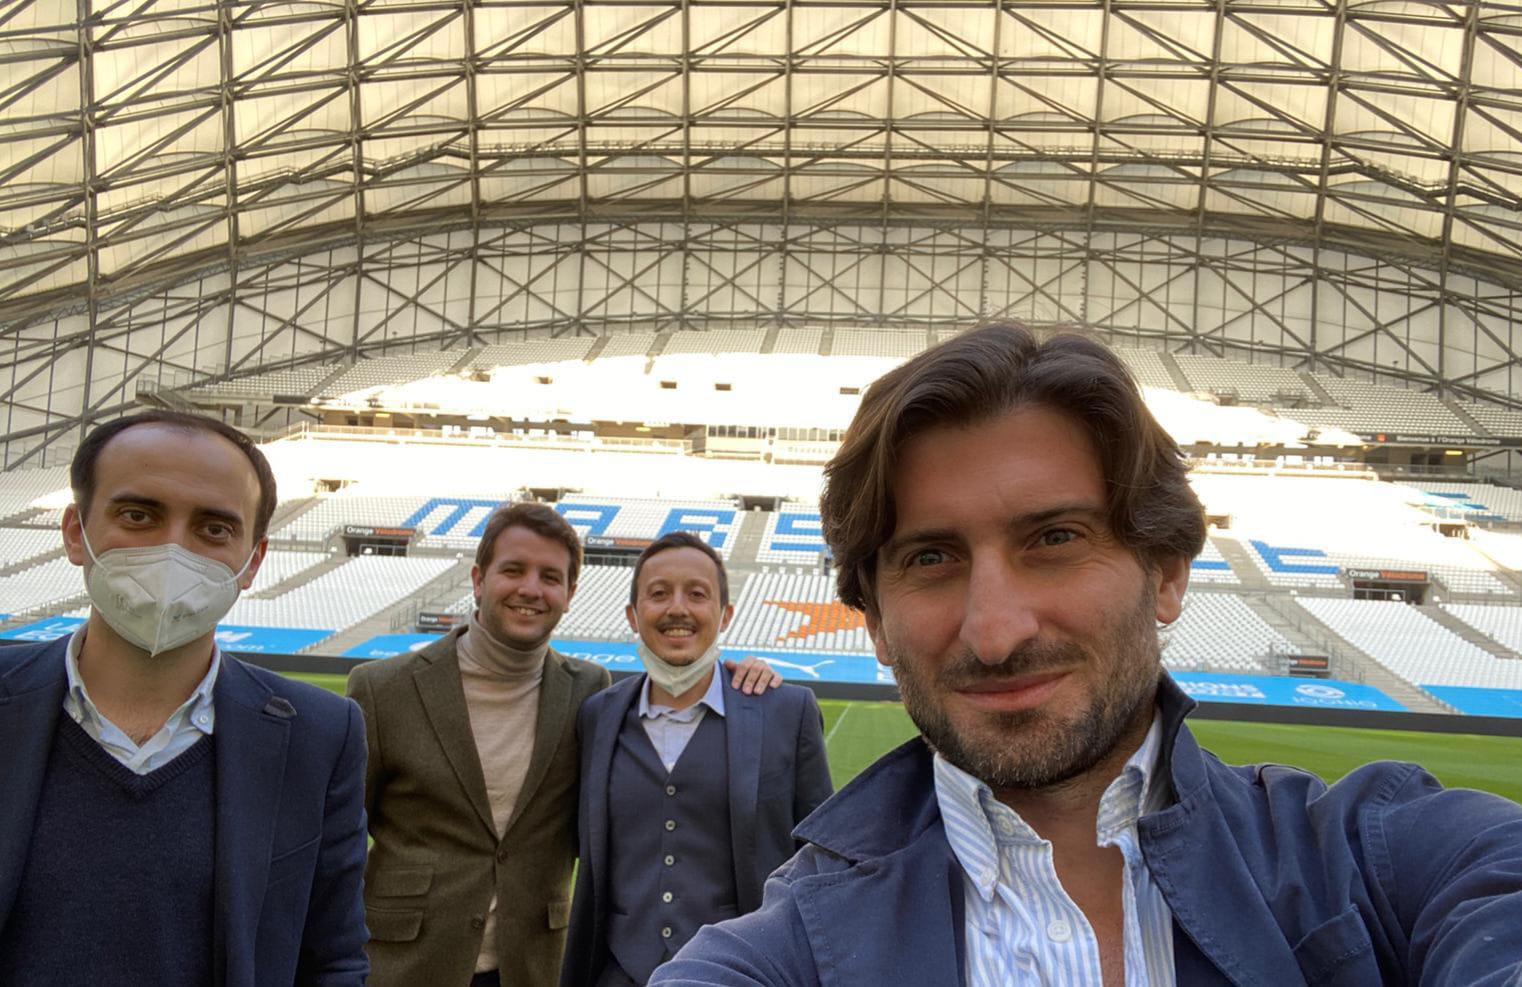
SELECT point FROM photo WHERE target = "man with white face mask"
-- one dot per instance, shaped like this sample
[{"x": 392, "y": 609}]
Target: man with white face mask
[
  {"x": 171, "y": 815},
  {"x": 690, "y": 789}
]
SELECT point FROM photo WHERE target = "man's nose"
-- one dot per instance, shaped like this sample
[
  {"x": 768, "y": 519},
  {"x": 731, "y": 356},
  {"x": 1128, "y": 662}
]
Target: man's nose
[{"x": 998, "y": 611}]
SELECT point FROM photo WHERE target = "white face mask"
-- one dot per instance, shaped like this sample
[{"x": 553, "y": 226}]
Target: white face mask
[
  {"x": 159, "y": 597},
  {"x": 676, "y": 679}
]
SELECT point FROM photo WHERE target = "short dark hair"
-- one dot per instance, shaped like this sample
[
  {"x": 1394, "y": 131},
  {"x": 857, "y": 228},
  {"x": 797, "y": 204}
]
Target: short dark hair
[
  {"x": 82, "y": 469},
  {"x": 542, "y": 520},
  {"x": 680, "y": 539},
  {"x": 980, "y": 375}
]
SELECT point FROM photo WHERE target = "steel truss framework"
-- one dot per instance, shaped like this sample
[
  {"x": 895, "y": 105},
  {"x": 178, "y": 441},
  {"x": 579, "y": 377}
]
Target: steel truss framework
[{"x": 194, "y": 189}]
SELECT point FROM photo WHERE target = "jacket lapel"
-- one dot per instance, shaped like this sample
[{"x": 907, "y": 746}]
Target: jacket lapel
[
  {"x": 549, "y": 727},
  {"x": 443, "y": 697},
  {"x": 743, "y": 733},
  {"x": 31, "y": 700},
  {"x": 594, "y": 786},
  {"x": 252, "y": 735}
]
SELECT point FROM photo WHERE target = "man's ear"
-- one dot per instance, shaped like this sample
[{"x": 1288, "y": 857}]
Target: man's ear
[
  {"x": 728, "y": 615},
  {"x": 255, "y": 560},
  {"x": 629, "y": 616},
  {"x": 1172, "y": 579},
  {"x": 874, "y": 624},
  {"x": 73, "y": 535}
]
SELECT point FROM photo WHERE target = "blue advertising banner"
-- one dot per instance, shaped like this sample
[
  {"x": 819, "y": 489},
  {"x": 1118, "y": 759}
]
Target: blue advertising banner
[
  {"x": 43, "y": 630},
  {"x": 1479, "y": 702},
  {"x": 386, "y": 645},
  {"x": 1267, "y": 690},
  {"x": 250, "y": 640}
]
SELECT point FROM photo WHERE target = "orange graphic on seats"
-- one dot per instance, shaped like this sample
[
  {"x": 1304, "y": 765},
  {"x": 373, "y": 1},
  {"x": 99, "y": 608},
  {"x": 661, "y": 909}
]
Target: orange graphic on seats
[{"x": 819, "y": 618}]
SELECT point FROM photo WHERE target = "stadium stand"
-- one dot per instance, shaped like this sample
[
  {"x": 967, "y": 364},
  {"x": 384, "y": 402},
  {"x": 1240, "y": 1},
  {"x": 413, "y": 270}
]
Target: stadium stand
[
  {"x": 1413, "y": 645},
  {"x": 1504, "y": 624},
  {"x": 597, "y": 610},
  {"x": 295, "y": 380},
  {"x": 388, "y": 371},
  {"x": 792, "y": 536},
  {"x": 714, "y": 341},
  {"x": 41, "y": 586},
  {"x": 798, "y": 340},
  {"x": 717, "y": 521},
  {"x": 1497, "y": 420},
  {"x": 1147, "y": 367},
  {"x": 1377, "y": 408},
  {"x": 877, "y": 343},
  {"x": 18, "y": 488},
  {"x": 1210, "y": 566},
  {"x": 628, "y": 344},
  {"x": 1220, "y": 632},
  {"x": 1482, "y": 501},
  {"x": 335, "y": 600},
  {"x": 278, "y": 566},
  {"x": 791, "y": 611},
  {"x": 1253, "y": 382},
  {"x": 532, "y": 351},
  {"x": 23, "y": 544}
]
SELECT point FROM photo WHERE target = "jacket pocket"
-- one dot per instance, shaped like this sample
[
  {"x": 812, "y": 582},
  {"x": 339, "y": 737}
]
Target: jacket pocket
[
  {"x": 401, "y": 882},
  {"x": 1338, "y": 952},
  {"x": 560, "y": 914},
  {"x": 394, "y": 924}
]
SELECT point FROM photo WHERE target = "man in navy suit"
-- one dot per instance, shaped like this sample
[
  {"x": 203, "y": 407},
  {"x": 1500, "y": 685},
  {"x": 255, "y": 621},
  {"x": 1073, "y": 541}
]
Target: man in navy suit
[
  {"x": 690, "y": 789},
  {"x": 171, "y": 815}
]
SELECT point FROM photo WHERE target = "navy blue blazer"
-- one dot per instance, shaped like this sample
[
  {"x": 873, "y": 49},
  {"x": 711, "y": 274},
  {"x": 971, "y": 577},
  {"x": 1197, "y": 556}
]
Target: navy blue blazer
[
  {"x": 290, "y": 840},
  {"x": 1274, "y": 879},
  {"x": 776, "y": 736}
]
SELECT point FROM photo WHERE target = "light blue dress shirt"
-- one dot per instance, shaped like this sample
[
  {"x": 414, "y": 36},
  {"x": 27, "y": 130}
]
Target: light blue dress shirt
[
  {"x": 670, "y": 729},
  {"x": 1022, "y": 927},
  {"x": 194, "y": 719}
]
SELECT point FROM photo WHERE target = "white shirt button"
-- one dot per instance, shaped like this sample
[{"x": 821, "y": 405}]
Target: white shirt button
[
  {"x": 666, "y": 897},
  {"x": 670, "y": 825},
  {"x": 203, "y": 719},
  {"x": 1059, "y": 931},
  {"x": 670, "y": 789},
  {"x": 666, "y": 932},
  {"x": 670, "y": 860}
]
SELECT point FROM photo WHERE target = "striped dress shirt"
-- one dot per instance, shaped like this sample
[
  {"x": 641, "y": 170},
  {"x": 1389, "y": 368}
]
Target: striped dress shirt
[{"x": 1022, "y": 927}]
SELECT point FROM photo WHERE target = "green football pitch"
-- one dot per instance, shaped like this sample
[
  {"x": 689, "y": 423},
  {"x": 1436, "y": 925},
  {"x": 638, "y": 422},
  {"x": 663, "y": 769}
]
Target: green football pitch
[{"x": 856, "y": 733}]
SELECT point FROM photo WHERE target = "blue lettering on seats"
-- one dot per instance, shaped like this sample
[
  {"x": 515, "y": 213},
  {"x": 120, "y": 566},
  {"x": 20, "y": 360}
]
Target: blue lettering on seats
[
  {"x": 576, "y": 515},
  {"x": 796, "y": 526},
  {"x": 699, "y": 521},
  {"x": 460, "y": 506},
  {"x": 1216, "y": 565},
  {"x": 1275, "y": 557}
]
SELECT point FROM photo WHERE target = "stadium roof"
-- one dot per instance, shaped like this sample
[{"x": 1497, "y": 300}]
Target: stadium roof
[{"x": 150, "y": 138}]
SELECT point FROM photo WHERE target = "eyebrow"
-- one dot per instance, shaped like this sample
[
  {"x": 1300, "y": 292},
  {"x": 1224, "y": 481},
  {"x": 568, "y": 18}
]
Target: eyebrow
[
  {"x": 1081, "y": 509},
  {"x": 141, "y": 500}
]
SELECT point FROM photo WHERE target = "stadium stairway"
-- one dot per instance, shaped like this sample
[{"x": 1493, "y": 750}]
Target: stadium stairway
[
  {"x": 22, "y": 517},
  {"x": 300, "y": 579},
  {"x": 289, "y": 510},
  {"x": 1242, "y": 565},
  {"x": 15, "y": 567},
  {"x": 1465, "y": 417},
  {"x": 827, "y": 341},
  {"x": 1322, "y": 397},
  {"x": 385, "y": 622},
  {"x": 748, "y": 540},
  {"x": 1179, "y": 380},
  {"x": 1351, "y": 662},
  {"x": 1473, "y": 635},
  {"x": 769, "y": 341}
]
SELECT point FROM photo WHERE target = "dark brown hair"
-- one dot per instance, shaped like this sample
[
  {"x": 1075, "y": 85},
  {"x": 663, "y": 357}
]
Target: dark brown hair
[
  {"x": 543, "y": 520},
  {"x": 680, "y": 539},
  {"x": 82, "y": 469},
  {"x": 977, "y": 376}
]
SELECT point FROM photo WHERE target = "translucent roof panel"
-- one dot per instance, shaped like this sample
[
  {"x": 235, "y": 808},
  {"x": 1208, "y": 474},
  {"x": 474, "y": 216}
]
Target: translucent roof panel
[{"x": 192, "y": 131}]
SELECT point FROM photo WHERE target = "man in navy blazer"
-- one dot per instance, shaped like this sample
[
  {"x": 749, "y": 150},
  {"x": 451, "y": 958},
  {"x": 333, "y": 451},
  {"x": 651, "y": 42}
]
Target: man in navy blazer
[
  {"x": 1014, "y": 525},
  {"x": 171, "y": 815},
  {"x": 690, "y": 789}
]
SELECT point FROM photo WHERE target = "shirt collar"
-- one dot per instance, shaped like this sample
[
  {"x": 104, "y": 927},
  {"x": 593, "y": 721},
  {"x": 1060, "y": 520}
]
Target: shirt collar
[
  {"x": 971, "y": 813},
  {"x": 713, "y": 699},
  {"x": 199, "y": 709}
]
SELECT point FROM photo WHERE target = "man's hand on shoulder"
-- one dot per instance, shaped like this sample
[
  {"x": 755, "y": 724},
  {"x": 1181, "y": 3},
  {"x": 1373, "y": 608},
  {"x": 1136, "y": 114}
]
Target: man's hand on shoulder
[{"x": 752, "y": 676}]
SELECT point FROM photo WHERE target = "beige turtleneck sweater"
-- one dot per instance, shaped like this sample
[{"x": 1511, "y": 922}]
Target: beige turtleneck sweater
[{"x": 502, "y": 697}]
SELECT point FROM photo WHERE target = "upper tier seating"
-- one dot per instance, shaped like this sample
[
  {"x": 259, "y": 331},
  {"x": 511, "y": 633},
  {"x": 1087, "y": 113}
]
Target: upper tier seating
[
  {"x": 714, "y": 341},
  {"x": 1147, "y": 367},
  {"x": 532, "y": 351},
  {"x": 294, "y": 380},
  {"x": 792, "y": 536},
  {"x": 877, "y": 342},
  {"x": 798, "y": 340},
  {"x": 1378, "y": 408},
  {"x": 1482, "y": 501},
  {"x": 388, "y": 371},
  {"x": 1251, "y": 382}
]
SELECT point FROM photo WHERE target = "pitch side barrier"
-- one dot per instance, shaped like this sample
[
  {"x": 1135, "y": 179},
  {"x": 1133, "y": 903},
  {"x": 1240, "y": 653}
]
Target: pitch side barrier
[{"x": 1490, "y": 726}]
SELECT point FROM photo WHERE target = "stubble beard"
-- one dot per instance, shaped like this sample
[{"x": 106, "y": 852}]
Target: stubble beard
[{"x": 1034, "y": 749}]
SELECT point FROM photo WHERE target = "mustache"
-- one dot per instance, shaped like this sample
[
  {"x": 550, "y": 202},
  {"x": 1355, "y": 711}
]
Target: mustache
[
  {"x": 965, "y": 669},
  {"x": 668, "y": 625}
]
